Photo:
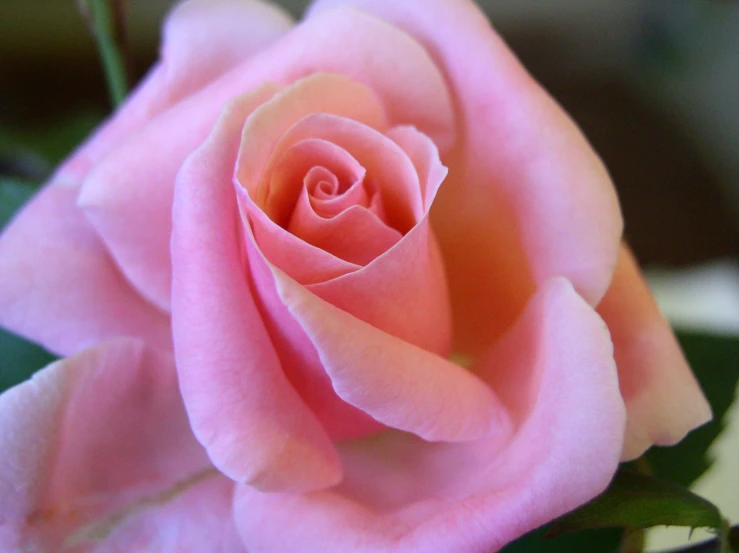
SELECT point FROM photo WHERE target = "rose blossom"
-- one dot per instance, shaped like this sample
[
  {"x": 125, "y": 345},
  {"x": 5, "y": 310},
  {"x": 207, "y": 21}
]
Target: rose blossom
[{"x": 352, "y": 202}]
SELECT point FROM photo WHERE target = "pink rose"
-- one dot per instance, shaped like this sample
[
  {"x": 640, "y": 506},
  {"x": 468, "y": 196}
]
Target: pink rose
[{"x": 352, "y": 202}]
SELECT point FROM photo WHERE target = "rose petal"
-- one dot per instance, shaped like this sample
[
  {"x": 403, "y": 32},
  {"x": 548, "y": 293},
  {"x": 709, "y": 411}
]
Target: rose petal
[
  {"x": 89, "y": 441},
  {"x": 395, "y": 382},
  {"x": 298, "y": 355},
  {"x": 275, "y": 127},
  {"x": 305, "y": 262},
  {"x": 241, "y": 406},
  {"x": 318, "y": 164},
  {"x": 424, "y": 155},
  {"x": 271, "y": 133},
  {"x": 123, "y": 188},
  {"x": 385, "y": 162},
  {"x": 405, "y": 496},
  {"x": 663, "y": 399},
  {"x": 523, "y": 178},
  {"x": 198, "y": 518},
  {"x": 58, "y": 285},
  {"x": 142, "y": 104},
  {"x": 404, "y": 291},
  {"x": 356, "y": 235},
  {"x": 409, "y": 273},
  {"x": 205, "y": 38},
  {"x": 141, "y": 257}
]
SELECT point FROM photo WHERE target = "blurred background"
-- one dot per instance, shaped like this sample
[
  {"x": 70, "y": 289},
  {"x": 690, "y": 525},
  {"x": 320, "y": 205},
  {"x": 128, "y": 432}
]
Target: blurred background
[{"x": 654, "y": 84}]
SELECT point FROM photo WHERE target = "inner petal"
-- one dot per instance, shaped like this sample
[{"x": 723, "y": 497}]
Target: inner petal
[
  {"x": 322, "y": 183},
  {"x": 387, "y": 166},
  {"x": 329, "y": 197},
  {"x": 262, "y": 142},
  {"x": 354, "y": 234},
  {"x": 309, "y": 163}
]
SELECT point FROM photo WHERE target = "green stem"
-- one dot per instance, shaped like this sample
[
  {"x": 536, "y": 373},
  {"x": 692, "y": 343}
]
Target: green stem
[{"x": 103, "y": 18}]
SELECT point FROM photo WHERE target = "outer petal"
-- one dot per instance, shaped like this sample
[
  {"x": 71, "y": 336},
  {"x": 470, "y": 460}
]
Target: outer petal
[
  {"x": 242, "y": 407},
  {"x": 192, "y": 517},
  {"x": 401, "y": 494},
  {"x": 205, "y": 38},
  {"x": 97, "y": 453},
  {"x": 522, "y": 179},
  {"x": 343, "y": 42},
  {"x": 663, "y": 399},
  {"x": 58, "y": 285}
]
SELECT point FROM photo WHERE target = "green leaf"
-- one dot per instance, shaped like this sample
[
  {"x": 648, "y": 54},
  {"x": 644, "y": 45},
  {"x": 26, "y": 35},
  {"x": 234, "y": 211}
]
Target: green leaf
[
  {"x": 19, "y": 359},
  {"x": 13, "y": 194},
  {"x": 635, "y": 500},
  {"x": 715, "y": 362},
  {"x": 585, "y": 541}
]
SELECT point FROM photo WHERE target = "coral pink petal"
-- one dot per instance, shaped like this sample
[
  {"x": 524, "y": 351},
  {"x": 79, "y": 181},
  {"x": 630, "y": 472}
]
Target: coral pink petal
[
  {"x": 388, "y": 166},
  {"x": 298, "y": 355},
  {"x": 59, "y": 286},
  {"x": 324, "y": 169},
  {"x": 397, "y": 383},
  {"x": 522, "y": 179},
  {"x": 241, "y": 406},
  {"x": 328, "y": 204},
  {"x": 327, "y": 198},
  {"x": 196, "y": 49},
  {"x": 141, "y": 105},
  {"x": 268, "y": 133},
  {"x": 304, "y": 262},
  {"x": 663, "y": 399},
  {"x": 404, "y": 495},
  {"x": 123, "y": 189},
  {"x": 97, "y": 445},
  {"x": 404, "y": 291},
  {"x": 356, "y": 235}
]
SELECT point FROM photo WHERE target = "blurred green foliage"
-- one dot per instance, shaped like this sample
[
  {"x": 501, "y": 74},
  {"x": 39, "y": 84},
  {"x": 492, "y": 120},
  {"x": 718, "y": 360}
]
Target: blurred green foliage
[
  {"x": 635, "y": 500},
  {"x": 32, "y": 153}
]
